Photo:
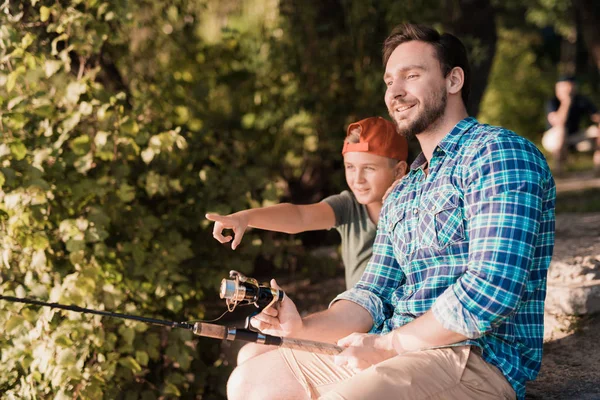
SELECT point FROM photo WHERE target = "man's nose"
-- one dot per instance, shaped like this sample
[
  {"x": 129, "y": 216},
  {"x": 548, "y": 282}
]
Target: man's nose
[{"x": 397, "y": 89}]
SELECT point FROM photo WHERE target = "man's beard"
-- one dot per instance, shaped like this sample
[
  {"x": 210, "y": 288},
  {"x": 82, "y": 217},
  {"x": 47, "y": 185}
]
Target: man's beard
[{"x": 435, "y": 107}]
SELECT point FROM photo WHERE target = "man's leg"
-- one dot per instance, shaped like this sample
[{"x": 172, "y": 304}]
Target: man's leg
[
  {"x": 265, "y": 377},
  {"x": 252, "y": 350},
  {"x": 286, "y": 374},
  {"x": 456, "y": 373}
]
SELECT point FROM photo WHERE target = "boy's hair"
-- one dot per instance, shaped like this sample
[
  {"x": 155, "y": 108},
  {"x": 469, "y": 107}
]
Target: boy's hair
[
  {"x": 450, "y": 51},
  {"x": 378, "y": 136}
]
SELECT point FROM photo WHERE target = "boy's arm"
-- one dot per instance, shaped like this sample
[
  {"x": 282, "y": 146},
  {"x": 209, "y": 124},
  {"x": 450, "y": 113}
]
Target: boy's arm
[{"x": 287, "y": 218}]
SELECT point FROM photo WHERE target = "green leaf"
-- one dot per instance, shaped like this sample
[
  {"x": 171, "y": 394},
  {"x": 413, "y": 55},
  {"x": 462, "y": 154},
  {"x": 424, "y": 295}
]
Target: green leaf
[
  {"x": 51, "y": 67},
  {"x": 175, "y": 303},
  {"x": 142, "y": 358},
  {"x": 13, "y": 323},
  {"x": 44, "y": 13},
  {"x": 80, "y": 145},
  {"x": 71, "y": 122},
  {"x": 63, "y": 340},
  {"x": 171, "y": 389},
  {"x": 66, "y": 357},
  {"x": 130, "y": 127},
  {"x": 2, "y": 179},
  {"x": 74, "y": 90},
  {"x": 130, "y": 363},
  {"x": 127, "y": 333},
  {"x": 126, "y": 193},
  {"x": 18, "y": 150},
  {"x": 40, "y": 241},
  {"x": 11, "y": 81},
  {"x": 75, "y": 245}
]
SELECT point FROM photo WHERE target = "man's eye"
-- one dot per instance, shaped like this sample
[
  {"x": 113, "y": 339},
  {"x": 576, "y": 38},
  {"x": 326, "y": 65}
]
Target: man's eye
[
  {"x": 411, "y": 76},
  {"x": 388, "y": 83}
]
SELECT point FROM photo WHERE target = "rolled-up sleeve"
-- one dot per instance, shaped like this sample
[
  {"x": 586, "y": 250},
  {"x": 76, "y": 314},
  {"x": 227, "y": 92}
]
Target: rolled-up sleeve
[
  {"x": 381, "y": 277},
  {"x": 503, "y": 203}
]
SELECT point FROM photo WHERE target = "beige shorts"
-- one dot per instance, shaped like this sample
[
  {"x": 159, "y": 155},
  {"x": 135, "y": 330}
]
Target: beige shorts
[{"x": 448, "y": 373}]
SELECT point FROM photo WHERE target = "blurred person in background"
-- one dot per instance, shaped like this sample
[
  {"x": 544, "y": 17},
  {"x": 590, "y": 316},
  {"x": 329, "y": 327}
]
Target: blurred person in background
[{"x": 567, "y": 111}]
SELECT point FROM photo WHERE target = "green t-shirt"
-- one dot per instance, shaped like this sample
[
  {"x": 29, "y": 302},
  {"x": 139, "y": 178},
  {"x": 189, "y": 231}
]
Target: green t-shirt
[{"x": 357, "y": 231}]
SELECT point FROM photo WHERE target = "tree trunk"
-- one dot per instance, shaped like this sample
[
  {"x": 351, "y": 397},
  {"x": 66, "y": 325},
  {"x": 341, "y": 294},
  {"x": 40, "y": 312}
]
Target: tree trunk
[
  {"x": 588, "y": 12},
  {"x": 474, "y": 22}
]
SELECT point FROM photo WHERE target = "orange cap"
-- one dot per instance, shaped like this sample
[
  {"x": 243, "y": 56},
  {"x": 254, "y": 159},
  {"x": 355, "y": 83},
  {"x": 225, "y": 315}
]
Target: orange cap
[{"x": 377, "y": 136}]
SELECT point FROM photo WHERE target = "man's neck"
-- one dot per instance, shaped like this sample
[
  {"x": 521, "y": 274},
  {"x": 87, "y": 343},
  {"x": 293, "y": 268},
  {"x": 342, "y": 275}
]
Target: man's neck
[{"x": 430, "y": 138}]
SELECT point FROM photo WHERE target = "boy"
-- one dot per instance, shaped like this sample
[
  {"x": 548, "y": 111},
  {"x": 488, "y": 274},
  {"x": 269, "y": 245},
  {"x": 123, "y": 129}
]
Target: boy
[{"x": 374, "y": 157}]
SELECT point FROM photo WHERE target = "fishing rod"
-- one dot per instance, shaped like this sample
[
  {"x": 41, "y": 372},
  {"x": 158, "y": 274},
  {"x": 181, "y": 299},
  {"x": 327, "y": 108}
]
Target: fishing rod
[{"x": 240, "y": 290}]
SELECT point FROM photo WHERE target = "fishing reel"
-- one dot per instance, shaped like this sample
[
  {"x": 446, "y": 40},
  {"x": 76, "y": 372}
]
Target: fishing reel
[{"x": 243, "y": 290}]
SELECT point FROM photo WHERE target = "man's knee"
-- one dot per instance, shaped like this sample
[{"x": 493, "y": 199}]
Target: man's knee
[
  {"x": 252, "y": 350},
  {"x": 237, "y": 384},
  {"x": 264, "y": 377}
]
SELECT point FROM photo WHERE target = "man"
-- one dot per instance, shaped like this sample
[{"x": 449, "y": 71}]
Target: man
[
  {"x": 453, "y": 296},
  {"x": 566, "y": 111}
]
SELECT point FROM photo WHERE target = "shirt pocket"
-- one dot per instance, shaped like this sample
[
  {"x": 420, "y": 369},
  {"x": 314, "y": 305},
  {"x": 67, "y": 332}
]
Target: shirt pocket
[
  {"x": 442, "y": 221},
  {"x": 399, "y": 235}
]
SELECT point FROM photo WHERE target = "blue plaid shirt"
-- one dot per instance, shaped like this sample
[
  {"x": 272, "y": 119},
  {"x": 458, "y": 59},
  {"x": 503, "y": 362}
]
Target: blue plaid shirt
[{"x": 472, "y": 241}]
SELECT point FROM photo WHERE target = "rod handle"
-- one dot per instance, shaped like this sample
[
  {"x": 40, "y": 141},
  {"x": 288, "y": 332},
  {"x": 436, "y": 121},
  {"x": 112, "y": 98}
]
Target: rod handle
[{"x": 312, "y": 346}]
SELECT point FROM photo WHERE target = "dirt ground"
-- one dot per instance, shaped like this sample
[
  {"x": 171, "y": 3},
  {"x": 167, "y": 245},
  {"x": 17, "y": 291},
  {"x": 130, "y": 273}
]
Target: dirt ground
[{"x": 571, "y": 364}]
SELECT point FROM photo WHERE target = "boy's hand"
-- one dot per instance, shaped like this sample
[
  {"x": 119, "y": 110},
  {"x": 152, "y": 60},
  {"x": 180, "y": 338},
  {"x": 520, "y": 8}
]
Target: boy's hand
[
  {"x": 236, "y": 222},
  {"x": 281, "y": 321}
]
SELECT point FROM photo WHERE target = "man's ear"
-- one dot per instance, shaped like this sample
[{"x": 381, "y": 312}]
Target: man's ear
[
  {"x": 455, "y": 80},
  {"x": 400, "y": 169}
]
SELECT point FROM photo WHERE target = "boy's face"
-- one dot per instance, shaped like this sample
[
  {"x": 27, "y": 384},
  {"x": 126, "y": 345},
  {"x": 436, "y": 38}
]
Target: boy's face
[{"x": 368, "y": 176}]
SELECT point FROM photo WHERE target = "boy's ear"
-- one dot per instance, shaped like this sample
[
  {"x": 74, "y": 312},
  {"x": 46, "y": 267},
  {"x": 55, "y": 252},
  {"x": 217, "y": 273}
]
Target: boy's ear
[{"x": 400, "y": 169}]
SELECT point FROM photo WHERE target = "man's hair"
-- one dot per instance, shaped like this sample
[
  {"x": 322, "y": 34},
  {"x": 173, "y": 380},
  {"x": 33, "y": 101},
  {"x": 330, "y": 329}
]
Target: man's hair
[{"x": 450, "y": 51}]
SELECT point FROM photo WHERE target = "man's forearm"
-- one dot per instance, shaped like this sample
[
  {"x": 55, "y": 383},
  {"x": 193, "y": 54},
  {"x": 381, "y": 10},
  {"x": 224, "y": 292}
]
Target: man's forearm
[
  {"x": 341, "y": 319},
  {"x": 422, "y": 333}
]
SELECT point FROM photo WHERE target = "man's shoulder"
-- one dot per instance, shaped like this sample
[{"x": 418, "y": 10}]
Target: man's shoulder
[
  {"x": 499, "y": 143},
  {"x": 482, "y": 135}
]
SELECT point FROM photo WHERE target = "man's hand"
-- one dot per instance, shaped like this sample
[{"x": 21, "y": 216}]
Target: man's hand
[
  {"x": 281, "y": 321},
  {"x": 363, "y": 350},
  {"x": 236, "y": 222}
]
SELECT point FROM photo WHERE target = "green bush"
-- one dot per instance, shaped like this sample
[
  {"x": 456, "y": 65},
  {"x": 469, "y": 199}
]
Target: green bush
[{"x": 118, "y": 134}]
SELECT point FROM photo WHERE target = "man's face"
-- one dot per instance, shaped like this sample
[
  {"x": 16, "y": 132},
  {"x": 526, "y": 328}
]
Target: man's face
[
  {"x": 416, "y": 94},
  {"x": 368, "y": 175}
]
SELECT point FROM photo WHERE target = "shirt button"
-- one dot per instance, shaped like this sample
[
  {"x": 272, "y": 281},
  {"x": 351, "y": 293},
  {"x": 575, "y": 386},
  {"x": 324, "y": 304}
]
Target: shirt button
[
  {"x": 409, "y": 291},
  {"x": 415, "y": 210}
]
